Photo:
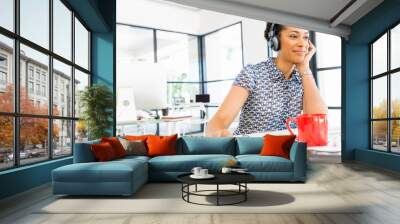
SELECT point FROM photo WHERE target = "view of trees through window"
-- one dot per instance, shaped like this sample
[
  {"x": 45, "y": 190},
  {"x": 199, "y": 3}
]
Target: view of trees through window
[
  {"x": 385, "y": 96},
  {"x": 44, "y": 132}
]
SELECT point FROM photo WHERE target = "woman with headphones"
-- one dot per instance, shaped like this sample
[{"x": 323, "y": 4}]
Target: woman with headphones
[{"x": 273, "y": 90}]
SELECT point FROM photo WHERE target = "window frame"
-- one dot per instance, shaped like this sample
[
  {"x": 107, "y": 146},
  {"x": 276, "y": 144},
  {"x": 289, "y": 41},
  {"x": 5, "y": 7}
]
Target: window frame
[
  {"x": 16, "y": 115},
  {"x": 204, "y": 78},
  {"x": 201, "y": 60},
  {"x": 316, "y": 69},
  {"x": 388, "y": 74}
]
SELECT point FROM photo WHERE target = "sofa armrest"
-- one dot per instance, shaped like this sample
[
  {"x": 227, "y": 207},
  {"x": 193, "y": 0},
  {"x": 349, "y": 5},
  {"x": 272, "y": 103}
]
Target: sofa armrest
[
  {"x": 83, "y": 152},
  {"x": 298, "y": 155}
]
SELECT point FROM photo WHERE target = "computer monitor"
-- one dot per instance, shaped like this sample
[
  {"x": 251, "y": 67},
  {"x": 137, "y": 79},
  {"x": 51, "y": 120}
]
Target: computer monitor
[
  {"x": 202, "y": 98},
  {"x": 143, "y": 85}
]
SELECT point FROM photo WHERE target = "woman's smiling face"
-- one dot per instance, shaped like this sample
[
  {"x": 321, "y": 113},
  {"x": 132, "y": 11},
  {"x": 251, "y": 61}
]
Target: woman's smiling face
[{"x": 294, "y": 44}]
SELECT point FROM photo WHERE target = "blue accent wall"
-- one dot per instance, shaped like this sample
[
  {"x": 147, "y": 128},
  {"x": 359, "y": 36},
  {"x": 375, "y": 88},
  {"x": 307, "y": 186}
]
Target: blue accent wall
[
  {"x": 92, "y": 13},
  {"x": 99, "y": 16},
  {"x": 356, "y": 74},
  {"x": 102, "y": 64},
  {"x": 103, "y": 53},
  {"x": 24, "y": 178}
]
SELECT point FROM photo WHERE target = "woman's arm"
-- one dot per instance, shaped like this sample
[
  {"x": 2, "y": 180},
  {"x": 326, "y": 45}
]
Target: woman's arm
[
  {"x": 312, "y": 100},
  {"x": 229, "y": 109}
]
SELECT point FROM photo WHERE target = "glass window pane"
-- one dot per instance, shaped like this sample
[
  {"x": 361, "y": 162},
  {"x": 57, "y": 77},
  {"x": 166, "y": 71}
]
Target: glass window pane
[
  {"x": 330, "y": 87},
  {"x": 211, "y": 111},
  {"x": 334, "y": 132},
  {"x": 35, "y": 21},
  {"x": 379, "y": 98},
  {"x": 62, "y": 29},
  {"x": 395, "y": 47},
  {"x": 218, "y": 90},
  {"x": 178, "y": 53},
  {"x": 183, "y": 128},
  {"x": 81, "y": 81},
  {"x": 7, "y": 14},
  {"x": 223, "y": 51},
  {"x": 180, "y": 93},
  {"x": 379, "y": 55},
  {"x": 81, "y": 131},
  {"x": 81, "y": 45},
  {"x": 6, "y": 74},
  {"x": 395, "y": 135},
  {"x": 34, "y": 96},
  {"x": 33, "y": 140},
  {"x": 62, "y": 89},
  {"x": 329, "y": 53},
  {"x": 62, "y": 138},
  {"x": 6, "y": 142},
  {"x": 134, "y": 45},
  {"x": 379, "y": 135},
  {"x": 395, "y": 94}
]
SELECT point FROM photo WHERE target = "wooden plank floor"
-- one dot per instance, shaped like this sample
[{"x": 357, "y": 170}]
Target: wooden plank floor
[{"x": 354, "y": 182}]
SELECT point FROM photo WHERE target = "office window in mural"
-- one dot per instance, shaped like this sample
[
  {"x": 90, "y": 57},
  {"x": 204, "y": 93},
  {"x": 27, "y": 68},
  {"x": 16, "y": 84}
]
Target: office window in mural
[
  {"x": 156, "y": 70},
  {"x": 224, "y": 60},
  {"x": 329, "y": 76}
]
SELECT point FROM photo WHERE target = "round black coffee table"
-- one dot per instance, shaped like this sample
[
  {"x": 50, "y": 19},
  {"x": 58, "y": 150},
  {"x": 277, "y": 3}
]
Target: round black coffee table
[{"x": 238, "y": 179}]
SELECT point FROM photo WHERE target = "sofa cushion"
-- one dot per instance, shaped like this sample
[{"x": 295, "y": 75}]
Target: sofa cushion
[
  {"x": 207, "y": 145},
  {"x": 249, "y": 145},
  {"x": 116, "y": 145},
  {"x": 112, "y": 171},
  {"x": 277, "y": 145},
  {"x": 161, "y": 145},
  {"x": 134, "y": 147},
  {"x": 103, "y": 151},
  {"x": 132, "y": 158},
  {"x": 185, "y": 163},
  {"x": 136, "y": 137},
  {"x": 257, "y": 163}
]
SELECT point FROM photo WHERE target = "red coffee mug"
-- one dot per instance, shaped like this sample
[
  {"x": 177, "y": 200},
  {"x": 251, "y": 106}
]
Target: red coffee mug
[{"x": 312, "y": 128}]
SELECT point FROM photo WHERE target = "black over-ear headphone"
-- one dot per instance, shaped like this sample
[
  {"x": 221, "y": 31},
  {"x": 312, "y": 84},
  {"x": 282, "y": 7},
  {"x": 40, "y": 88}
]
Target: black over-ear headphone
[{"x": 272, "y": 36}]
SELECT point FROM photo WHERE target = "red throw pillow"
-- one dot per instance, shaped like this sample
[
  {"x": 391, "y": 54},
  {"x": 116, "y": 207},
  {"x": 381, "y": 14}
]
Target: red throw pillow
[
  {"x": 116, "y": 145},
  {"x": 103, "y": 151},
  {"x": 137, "y": 137},
  {"x": 161, "y": 145},
  {"x": 277, "y": 145}
]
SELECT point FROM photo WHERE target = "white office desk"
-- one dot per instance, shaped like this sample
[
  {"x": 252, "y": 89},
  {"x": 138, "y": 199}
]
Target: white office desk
[{"x": 174, "y": 125}]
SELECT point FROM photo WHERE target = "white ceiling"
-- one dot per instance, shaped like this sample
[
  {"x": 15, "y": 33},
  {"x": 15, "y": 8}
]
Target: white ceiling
[
  {"x": 321, "y": 9},
  {"x": 317, "y": 15}
]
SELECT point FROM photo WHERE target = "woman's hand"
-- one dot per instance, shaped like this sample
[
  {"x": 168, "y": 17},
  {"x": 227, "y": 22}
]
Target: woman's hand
[{"x": 304, "y": 67}]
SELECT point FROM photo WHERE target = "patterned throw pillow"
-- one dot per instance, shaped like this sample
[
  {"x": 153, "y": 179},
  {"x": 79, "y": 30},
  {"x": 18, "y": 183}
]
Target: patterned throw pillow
[{"x": 134, "y": 147}]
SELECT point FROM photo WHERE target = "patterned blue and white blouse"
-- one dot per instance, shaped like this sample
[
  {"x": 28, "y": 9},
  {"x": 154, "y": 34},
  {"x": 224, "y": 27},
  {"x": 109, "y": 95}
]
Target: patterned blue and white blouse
[{"x": 272, "y": 98}]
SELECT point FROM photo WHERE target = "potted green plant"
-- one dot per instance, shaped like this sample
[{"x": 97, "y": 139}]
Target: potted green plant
[{"x": 96, "y": 102}]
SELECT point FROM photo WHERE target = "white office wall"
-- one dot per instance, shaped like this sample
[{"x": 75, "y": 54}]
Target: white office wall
[
  {"x": 156, "y": 14},
  {"x": 254, "y": 44}
]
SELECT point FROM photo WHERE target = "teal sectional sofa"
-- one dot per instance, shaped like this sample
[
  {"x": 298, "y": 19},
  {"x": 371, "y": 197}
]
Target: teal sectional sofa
[{"x": 125, "y": 176}]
